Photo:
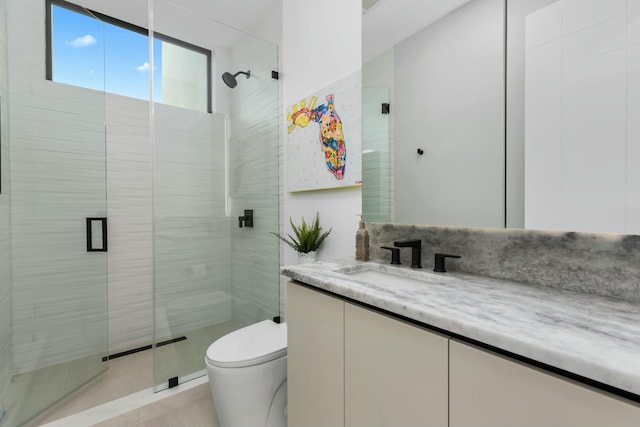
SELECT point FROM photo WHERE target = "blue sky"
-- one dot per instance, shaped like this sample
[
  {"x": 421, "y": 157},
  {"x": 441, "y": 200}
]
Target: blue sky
[{"x": 102, "y": 56}]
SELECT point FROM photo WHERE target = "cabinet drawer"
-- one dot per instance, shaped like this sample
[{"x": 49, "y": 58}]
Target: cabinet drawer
[
  {"x": 487, "y": 389},
  {"x": 395, "y": 372}
]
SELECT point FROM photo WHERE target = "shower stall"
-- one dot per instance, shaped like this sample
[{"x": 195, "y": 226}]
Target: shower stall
[{"x": 119, "y": 230}]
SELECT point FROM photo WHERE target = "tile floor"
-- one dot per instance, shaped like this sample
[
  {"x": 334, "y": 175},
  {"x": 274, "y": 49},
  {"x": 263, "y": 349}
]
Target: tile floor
[
  {"x": 124, "y": 376},
  {"x": 200, "y": 413},
  {"x": 30, "y": 393}
]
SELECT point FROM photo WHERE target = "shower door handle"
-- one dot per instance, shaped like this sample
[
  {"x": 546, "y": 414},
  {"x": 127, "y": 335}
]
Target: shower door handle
[{"x": 91, "y": 222}]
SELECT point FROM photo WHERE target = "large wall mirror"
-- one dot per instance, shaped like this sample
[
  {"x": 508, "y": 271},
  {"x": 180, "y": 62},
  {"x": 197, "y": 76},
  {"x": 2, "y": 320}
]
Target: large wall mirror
[{"x": 502, "y": 113}]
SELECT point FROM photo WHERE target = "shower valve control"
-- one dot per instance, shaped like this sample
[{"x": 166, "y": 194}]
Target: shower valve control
[{"x": 247, "y": 219}]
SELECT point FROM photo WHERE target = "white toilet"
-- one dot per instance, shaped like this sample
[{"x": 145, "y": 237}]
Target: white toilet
[{"x": 247, "y": 372}]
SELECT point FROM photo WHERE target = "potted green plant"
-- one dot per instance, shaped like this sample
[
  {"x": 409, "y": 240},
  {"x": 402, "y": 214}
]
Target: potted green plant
[{"x": 308, "y": 238}]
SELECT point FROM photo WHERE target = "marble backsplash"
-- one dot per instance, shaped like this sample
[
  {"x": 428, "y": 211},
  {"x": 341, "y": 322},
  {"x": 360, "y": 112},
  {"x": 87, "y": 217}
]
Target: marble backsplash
[{"x": 602, "y": 264}]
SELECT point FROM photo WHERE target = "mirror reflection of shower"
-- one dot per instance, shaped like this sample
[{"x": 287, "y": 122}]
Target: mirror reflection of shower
[{"x": 230, "y": 79}]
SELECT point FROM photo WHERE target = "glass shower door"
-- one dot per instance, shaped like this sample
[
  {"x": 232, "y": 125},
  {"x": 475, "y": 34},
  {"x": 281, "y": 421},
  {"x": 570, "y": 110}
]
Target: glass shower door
[
  {"x": 5, "y": 219},
  {"x": 211, "y": 276},
  {"x": 58, "y": 226}
]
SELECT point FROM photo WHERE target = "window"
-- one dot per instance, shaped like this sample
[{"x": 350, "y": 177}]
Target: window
[{"x": 94, "y": 51}]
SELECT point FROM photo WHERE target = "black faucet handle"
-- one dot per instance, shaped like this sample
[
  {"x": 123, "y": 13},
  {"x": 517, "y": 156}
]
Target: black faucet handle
[
  {"x": 395, "y": 254},
  {"x": 439, "y": 262},
  {"x": 247, "y": 219}
]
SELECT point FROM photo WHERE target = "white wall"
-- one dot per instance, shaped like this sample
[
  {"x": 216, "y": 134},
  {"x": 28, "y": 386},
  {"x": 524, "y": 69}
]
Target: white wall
[
  {"x": 321, "y": 45},
  {"x": 448, "y": 101},
  {"x": 581, "y": 106},
  {"x": 269, "y": 26}
]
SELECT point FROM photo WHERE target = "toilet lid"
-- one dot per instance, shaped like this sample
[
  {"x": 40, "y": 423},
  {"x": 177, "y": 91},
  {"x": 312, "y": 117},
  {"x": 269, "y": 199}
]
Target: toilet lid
[{"x": 251, "y": 345}]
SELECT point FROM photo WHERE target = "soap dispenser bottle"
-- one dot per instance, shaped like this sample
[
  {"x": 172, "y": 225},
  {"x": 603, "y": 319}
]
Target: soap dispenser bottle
[{"x": 362, "y": 243}]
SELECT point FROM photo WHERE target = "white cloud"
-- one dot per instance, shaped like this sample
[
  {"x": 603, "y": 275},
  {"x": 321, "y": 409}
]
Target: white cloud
[
  {"x": 144, "y": 67},
  {"x": 83, "y": 41}
]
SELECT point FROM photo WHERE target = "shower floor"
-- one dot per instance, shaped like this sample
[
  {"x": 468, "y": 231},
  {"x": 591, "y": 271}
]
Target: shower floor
[{"x": 125, "y": 375}]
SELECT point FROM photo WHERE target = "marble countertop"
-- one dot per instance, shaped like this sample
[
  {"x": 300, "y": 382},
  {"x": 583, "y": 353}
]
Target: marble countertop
[{"x": 595, "y": 337}]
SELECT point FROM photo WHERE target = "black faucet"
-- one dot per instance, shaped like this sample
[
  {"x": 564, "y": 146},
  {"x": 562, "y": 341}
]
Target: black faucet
[
  {"x": 439, "y": 262},
  {"x": 416, "y": 250}
]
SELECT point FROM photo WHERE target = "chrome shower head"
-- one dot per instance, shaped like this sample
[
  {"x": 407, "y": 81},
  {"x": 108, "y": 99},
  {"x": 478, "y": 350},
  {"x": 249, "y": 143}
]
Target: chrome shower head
[{"x": 230, "y": 79}]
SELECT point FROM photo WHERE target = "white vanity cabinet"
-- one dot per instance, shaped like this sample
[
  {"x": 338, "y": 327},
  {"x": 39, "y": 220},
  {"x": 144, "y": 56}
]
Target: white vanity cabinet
[
  {"x": 487, "y": 389},
  {"x": 315, "y": 358},
  {"x": 354, "y": 367},
  {"x": 395, "y": 372}
]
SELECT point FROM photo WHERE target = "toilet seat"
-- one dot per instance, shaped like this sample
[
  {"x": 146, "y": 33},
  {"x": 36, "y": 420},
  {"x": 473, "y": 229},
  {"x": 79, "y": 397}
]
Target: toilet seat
[{"x": 251, "y": 345}]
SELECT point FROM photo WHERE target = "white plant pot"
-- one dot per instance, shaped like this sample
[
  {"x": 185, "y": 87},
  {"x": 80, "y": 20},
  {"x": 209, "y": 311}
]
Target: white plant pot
[{"x": 306, "y": 257}]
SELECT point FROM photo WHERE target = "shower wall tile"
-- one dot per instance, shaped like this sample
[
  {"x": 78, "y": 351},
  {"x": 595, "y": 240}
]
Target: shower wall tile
[
  {"x": 191, "y": 229},
  {"x": 5, "y": 269},
  {"x": 253, "y": 181},
  {"x": 129, "y": 211},
  {"x": 5, "y": 218},
  {"x": 4, "y": 81}
]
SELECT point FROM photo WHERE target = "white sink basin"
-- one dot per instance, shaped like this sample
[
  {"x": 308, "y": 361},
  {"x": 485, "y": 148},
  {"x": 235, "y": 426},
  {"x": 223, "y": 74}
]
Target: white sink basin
[{"x": 391, "y": 277}]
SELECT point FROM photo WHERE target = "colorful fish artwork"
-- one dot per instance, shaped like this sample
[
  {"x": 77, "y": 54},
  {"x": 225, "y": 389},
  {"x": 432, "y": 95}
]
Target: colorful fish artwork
[{"x": 331, "y": 135}]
